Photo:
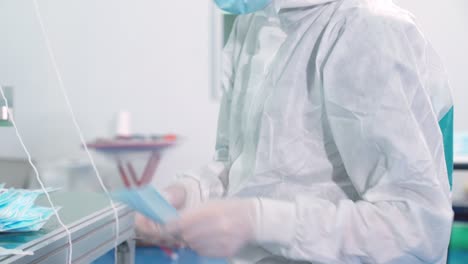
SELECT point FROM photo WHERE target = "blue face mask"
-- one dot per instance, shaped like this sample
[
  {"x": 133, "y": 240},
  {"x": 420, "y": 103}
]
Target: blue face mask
[
  {"x": 150, "y": 203},
  {"x": 18, "y": 212},
  {"x": 239, "y": 7},
  {"x": 6, "y": 252}
]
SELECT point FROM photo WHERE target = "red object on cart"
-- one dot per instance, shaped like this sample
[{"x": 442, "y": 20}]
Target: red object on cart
[{"x": 121, "y": 147}]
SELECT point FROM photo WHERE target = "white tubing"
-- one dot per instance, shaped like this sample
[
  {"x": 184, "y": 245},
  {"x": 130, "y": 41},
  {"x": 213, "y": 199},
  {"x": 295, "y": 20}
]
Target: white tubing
[
  {"x": 36, "y": 172},
  {"x": 75, "y": 122}
]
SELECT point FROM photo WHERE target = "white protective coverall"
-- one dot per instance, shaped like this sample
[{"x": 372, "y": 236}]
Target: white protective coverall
[{"x": 331, "y": 114}]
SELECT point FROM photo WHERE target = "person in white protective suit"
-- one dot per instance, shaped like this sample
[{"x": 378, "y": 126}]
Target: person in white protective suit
[{"x": 330, "y": 143}]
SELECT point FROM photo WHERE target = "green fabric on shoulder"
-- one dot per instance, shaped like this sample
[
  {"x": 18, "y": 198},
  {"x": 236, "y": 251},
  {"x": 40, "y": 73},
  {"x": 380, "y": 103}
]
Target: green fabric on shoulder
[{"x": 446, "y": 126}]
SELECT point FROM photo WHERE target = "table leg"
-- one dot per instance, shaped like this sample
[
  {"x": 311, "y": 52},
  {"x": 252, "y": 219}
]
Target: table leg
[
  {"x": 151, "y": 166},
  {"x": 123, "y": 174},
  {"x": 133, "y": 174},
  {"x": 128, "y": 173},
  {"x": 126, "y": 252}
]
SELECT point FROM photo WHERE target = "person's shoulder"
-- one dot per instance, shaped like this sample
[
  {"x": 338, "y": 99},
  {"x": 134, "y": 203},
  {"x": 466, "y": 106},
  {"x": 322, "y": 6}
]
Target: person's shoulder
[
  {"x": 375, "y": 16},
  {"x": 380, "y": 24}
]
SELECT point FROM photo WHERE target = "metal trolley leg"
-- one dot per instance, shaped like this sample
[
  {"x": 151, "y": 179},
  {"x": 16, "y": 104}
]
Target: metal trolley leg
[{"x": 126, "y": 252}]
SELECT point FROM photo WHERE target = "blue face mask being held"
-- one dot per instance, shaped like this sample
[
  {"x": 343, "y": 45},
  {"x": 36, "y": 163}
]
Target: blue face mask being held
[
  {"x": 149, "y": 202},
  {"x": 239, "y": 7}
]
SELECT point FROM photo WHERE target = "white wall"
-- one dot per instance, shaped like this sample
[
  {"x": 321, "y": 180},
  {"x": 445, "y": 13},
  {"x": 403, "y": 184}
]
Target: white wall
[
  {"x": 445, "y": 23},
  {"x": 149, "y": 57}
]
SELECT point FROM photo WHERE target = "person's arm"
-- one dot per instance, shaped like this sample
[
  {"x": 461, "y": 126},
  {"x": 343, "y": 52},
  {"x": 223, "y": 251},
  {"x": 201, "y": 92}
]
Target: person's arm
[{"x": 387, "y": 134}]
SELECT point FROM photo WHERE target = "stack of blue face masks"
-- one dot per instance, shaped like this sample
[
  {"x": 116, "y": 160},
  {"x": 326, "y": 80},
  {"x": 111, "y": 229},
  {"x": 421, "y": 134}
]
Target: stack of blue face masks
[
  {"x": 6, "y": 252},
  {"x": 18, "y": 212}
]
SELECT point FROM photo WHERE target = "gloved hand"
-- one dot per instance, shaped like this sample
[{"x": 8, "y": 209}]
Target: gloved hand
[
  {"x": 217, "y": 228},
  {"x": 151, "y": 233}
]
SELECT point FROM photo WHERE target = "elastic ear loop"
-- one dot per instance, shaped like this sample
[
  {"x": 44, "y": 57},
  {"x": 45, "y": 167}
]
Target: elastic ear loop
[
  {"x": 75, "y": 122},
  {"x": 36, "y": 172}
]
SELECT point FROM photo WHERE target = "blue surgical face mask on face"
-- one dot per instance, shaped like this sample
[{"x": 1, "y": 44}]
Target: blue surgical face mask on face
[{"x": 239, "y": 7}]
